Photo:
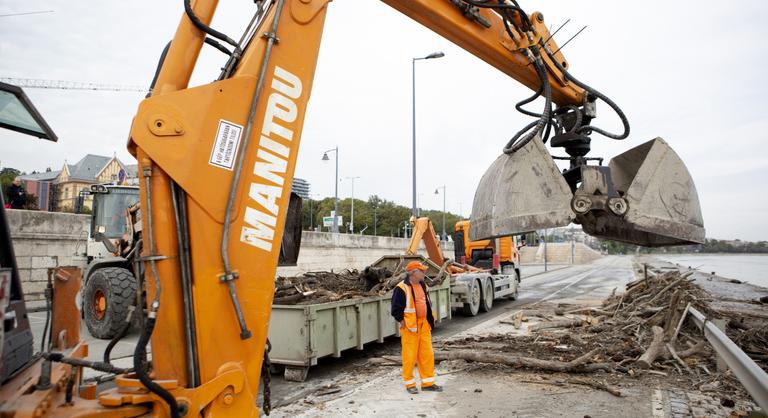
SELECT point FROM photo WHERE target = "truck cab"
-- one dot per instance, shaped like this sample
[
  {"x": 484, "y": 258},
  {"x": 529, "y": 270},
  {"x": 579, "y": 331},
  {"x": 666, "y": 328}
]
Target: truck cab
[
  {"x": 108, "y": 218},
  {"x": 480, "y": 253}
]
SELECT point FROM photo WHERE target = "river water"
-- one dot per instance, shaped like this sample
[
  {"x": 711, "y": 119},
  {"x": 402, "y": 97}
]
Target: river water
[{"x": 752, "y": 268}]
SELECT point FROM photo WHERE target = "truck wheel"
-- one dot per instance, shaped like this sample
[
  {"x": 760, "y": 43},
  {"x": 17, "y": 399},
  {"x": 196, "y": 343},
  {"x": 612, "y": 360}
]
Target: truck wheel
[
  {"x": 107, "y": 295},
  {"x": 473, "y": 306},
  {"x": 486, "y": 302},
  {"x": 296, "y": 374}
]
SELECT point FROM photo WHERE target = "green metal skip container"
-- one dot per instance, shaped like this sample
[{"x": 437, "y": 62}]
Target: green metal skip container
[{"x": 301, "y": 334}]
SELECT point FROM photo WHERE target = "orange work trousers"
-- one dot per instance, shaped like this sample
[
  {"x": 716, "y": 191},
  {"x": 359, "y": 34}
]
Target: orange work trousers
[{"x": 417, "y": 349}]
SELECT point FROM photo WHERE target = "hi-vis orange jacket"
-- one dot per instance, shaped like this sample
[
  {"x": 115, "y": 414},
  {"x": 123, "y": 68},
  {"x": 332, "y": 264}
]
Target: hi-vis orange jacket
[{"x": 404, "y": 308}]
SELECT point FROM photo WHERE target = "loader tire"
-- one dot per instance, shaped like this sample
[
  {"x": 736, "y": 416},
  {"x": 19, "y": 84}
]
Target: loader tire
[{"x": 107, "y": 295}]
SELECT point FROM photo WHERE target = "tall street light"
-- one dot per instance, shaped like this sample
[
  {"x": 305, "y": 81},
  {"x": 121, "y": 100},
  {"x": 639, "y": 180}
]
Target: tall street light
[
  {"x": 414, "y": 210},
  {"x": 312, "y": 212},
  {"x": 437, "y": 191},
  {"x": 336, "y": 189},
  {"x": 352, "y": 216}
]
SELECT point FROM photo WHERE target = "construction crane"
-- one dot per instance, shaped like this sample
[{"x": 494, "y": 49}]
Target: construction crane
[{"x": 39, "y": 83}]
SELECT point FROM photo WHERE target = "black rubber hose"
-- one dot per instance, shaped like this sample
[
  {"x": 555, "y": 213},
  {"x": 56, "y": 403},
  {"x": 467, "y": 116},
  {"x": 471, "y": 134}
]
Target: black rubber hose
[
  {"x": 519, "y": 105},
  {"x": 141, "y": 370},
  {"x": 214, "y": 43},
  {"x": 516, "y": 142},
  {"x": 69, "y": 391},
  {"x": 205, "y": 28},
  {"x": 601, "y": 96},
  {"x": 502, "y": 6},
  {"x": 47, "y": 322},
  {"x": 159, "y": 66},
  {"x": 59, "y": 357},
  {"x": 119, "y": 336}
]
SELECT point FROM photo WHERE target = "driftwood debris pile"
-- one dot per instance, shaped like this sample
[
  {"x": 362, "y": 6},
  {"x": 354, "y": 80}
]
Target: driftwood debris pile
[
  {"x": 639, "y": 329},
  {"x": 319, "y": 287},
  {"x": 328, "y": 286},
  {"x": 638, "y": 333}
]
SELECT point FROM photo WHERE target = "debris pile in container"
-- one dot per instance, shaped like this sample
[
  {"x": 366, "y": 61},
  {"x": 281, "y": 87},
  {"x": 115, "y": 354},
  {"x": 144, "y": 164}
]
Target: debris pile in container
[{"x": 329, "y": 286}]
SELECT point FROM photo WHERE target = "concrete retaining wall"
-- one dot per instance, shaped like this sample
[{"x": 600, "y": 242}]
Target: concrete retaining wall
[
  {"x": 49, "y": 239},
  {"x": 559, "y": 253},
  {"x": 327, "y": 251},
  {"x": 46, "y": 239}
]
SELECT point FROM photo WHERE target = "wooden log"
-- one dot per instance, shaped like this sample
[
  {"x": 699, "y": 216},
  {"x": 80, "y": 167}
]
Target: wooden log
[
  {"x": 288, "y": 299},
  {"x": 589, "y": 310},
  {"x": 669, "y": 286},
  {"x": 595, "y": 384},
  {"x": 673, "y": 315},
  {"x": 578, "y": 365},
  {"x": 654, "y": 350},
  {"x": 677, "y": 358},
  {"x": 557, "y": 324},
  {"x": 698, "y": 348}
]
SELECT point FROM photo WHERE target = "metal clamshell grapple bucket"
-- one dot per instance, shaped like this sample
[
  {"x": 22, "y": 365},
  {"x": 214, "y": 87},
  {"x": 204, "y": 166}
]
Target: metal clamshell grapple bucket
[{"x": 645, "y": 196}]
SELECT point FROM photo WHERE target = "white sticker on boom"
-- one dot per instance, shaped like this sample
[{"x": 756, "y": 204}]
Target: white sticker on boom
[{"x": 225, "y": 146}]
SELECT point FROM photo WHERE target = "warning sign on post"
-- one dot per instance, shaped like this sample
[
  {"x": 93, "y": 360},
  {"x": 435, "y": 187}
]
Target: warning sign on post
[{"x": 225, "y": 146}]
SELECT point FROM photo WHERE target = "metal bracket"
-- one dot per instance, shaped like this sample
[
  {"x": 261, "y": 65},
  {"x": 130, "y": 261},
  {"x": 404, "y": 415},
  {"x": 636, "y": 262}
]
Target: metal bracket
[
  {"x": 154, "y": 258},
  {"x": 271, "y": 35},
  {"x": 472, "y": 13},
  {"x": 229, "y": 279}
]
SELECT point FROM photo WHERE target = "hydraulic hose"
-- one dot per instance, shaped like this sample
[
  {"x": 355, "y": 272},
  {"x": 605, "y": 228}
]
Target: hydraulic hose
[
  {"x": 159, "y": 66},
  {"x": 140, "y": 353},
  {"x": 601, "y": 96},
  {"x": 205, "y": 28},
  {"x": 533, "y": 128},
  {"x": 140, "y": 367},
  {"x": 119, "y": 336}
]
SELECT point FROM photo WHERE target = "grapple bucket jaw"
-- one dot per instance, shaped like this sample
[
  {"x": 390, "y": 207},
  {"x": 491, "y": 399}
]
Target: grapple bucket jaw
[
  {"x": 662, "y": 205},
  {"x": 645, "y": 196},
  {"x": 520, "y": 192}
]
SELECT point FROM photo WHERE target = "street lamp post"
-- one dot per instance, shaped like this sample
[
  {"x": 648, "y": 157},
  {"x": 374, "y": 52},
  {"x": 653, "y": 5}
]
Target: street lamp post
[
  {"x": 437, "y": 191},
  {"x": 311, "y": 211},
  {"x": 336, "y": 189},
  {"x": 352, "y": 216},
  {"x": 375, "y": 220},
  {"x": 311, "y": 221},
  {"x": 433, "y": 55}
]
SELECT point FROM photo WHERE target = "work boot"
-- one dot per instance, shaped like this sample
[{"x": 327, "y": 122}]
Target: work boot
[
  {"x": 412, "y": 391},
  {"x": 433, "y": 388}
]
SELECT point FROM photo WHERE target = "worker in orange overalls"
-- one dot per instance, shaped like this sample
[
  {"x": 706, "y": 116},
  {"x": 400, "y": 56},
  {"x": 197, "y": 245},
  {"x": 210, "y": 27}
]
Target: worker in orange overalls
[{"x": 412, "y": 309}]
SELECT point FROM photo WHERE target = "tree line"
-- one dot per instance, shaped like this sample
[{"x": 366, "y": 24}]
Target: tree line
[
  {"x": 375, "y": 216},
  {"x": 709, "y": 246}
]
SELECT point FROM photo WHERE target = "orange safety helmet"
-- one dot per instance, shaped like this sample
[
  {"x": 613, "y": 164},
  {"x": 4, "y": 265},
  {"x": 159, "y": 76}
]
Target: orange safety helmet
[{"x": 415, "y": 265}]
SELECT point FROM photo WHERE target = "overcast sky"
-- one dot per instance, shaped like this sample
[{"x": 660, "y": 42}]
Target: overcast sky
[{"x": 692, "y": 72}]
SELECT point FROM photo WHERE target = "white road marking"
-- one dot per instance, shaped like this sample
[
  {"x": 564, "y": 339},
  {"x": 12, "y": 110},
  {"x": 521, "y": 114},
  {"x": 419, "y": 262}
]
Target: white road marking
[
  {"x": 576, "y": 279},
  {"x": 657, "y": 404}
]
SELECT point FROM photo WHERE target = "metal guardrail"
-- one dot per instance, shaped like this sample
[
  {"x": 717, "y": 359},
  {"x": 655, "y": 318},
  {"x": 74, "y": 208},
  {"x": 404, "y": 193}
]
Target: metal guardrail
[{"x": 754, "y": 379}]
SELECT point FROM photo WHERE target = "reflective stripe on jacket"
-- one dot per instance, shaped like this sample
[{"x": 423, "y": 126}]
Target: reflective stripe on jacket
[
  {"x": 403, "y": 305},
  {"x": 409, "y": 312}
]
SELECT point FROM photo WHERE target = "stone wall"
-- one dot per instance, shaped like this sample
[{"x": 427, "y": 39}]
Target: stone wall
[
  {"x": 46, "y": 239},
  {"x": 49, "y": 239},
  {"x": 327, "y": 251},
  {"x": 559, "y": 253}
]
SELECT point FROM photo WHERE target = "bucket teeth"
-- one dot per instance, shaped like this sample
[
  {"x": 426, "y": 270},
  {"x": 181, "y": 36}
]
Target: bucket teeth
[{"x": 645, "y": 196}]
